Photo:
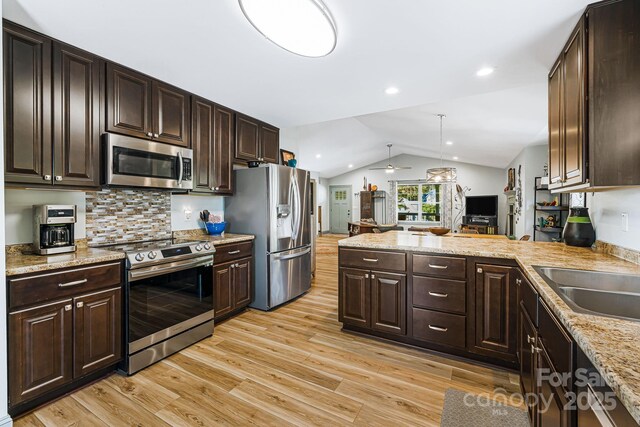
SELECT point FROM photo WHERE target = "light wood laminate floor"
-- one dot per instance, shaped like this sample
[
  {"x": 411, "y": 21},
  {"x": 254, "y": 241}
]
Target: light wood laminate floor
[{"x": 292, "y": 366}]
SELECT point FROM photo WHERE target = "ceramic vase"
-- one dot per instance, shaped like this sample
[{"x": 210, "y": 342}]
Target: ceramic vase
[{"x": 578, "y": 231}]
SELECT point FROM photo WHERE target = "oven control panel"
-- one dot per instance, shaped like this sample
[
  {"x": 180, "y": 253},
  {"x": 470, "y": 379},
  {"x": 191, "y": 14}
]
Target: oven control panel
[{"x": 170, "y": 253}]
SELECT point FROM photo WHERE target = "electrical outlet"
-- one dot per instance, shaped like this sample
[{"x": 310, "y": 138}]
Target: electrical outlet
[
  {"x": 187, "y": 214},
  {"x": 625, "y": 221}
]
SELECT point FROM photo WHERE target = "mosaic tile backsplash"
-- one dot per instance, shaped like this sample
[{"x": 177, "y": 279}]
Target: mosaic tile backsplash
[{"x": 125, "y": 215}]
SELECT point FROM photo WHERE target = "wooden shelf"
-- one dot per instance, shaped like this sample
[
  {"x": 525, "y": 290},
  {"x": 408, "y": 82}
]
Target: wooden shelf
[
  {"x": 549, "y": 229},
  {"x": 552, "y": 208}
]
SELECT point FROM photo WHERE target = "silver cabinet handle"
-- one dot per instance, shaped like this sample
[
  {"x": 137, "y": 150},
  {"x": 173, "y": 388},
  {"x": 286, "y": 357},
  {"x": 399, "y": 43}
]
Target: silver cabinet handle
[
  {"x": 530, "y": 339},
  {"x": 373, "y": 276},
  {"x": 69, "y": 284},
  {"x": 80, "y": 304},
  {"x": 234, "y": 252},
  {"x": 155, "y": 135},
  {"x": 535, "y": 349},
  {"x": 58, "y": 178},
  {"x": 216, "y": 188},
  {"x": 149, "y": 134},
  {"x": 479, "y": 270},
  {"x": 237, "y": 265},
  {"x": 518, "y": 282},
  {"x": 67, "y": 307},
  {"x": 366, "y": 276},
  {"x": 370, "y": 259},
  {"x": 440, "y": 267},
  {"x": 47, "y": 177},
  {"x": 438, "y": 328},
  {"x": 438, "y": 294}
]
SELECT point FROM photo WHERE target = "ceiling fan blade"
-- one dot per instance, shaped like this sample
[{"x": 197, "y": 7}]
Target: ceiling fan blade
[
  {"x": 402, "y": 167},
  {"x": 378, "y": 169}
]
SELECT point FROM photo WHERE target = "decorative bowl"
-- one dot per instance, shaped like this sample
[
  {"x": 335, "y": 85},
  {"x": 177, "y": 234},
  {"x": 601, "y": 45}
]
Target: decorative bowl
[
  {"x": 215, "y": 229},
  {"x": 439, "y": 231}
]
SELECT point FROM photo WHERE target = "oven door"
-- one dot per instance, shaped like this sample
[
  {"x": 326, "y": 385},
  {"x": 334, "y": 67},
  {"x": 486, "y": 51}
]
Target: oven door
[
  {"x": 165, "y": 300},
  {"x": 138, "y": 163}
]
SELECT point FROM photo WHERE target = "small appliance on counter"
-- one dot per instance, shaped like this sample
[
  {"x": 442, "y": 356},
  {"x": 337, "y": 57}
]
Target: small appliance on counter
[{"x": 53, "y": 229}]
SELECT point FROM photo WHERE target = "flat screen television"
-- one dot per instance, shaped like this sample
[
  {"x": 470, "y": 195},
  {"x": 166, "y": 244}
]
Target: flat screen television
[{"x": 481, "y": 206}]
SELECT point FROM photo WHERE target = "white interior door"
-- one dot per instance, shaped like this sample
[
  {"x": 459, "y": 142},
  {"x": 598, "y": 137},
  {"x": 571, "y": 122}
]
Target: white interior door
[{"x": 340, "y": 205}]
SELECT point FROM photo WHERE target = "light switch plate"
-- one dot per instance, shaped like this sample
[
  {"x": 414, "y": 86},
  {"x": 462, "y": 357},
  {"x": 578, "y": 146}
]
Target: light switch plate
[{"x": 625, "y": 221}]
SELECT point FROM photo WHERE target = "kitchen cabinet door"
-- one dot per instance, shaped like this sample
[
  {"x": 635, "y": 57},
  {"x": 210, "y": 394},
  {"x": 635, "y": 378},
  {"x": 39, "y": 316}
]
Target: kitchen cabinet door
[
  {"x": 170, "y": 108},
  {"x": 496, "y": 311},
  {"x": 40, "y": 350},
  {"x": 552, "y": 409},
  {"x": 247, "y": 145},
  {"x": 354, "y": 302},
  {"x": 223, "y": 137},
  {"x": 269, "y": 144},
  {"x": 573, "y": 98},
  {"x": 27, "y": 106},
  {"x": 528, "y": 337},
  {"x": 389, "y": 302},
  {"x": 203, "y": 128},
  {"x": 76, "y": 117},
  {"x": 556, "y": 135},
  {"x": 98, "y": 331},
  {"x": 223, "y": 289},
  {"x": 128, "y": 102},
  {"x": 242, "y": 280}
]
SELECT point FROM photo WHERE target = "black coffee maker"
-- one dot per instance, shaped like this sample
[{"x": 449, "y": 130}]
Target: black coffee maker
[{"x": 53, "y": 229}]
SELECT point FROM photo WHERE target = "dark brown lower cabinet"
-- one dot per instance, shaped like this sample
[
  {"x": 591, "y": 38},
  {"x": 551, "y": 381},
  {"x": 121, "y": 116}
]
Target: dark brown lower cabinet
[
  {"x": 496, "y": 312},
  {"x": 553, "y": 409},
  {"x": 40, "y": 350},
  {"x": 232, "y": 284},
  {"x": 98, "y": 332},
  {"x": 373, "y": 299},
  {"x": 528, "y": 337}
]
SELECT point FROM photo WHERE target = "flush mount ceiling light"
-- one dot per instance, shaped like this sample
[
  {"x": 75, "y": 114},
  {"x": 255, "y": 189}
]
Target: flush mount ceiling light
[
  {"x": 303, "y": 27},
  {"x": 350, "y": 166},
  {"x": 390, "y": 168},
  {"x": 442, "y": 174},
  {"x": 449, "y": 142},
  {"x": 485, "y": 71},
  {"x": 391, "y": 90},
  {"x": 318, "y": 156}
]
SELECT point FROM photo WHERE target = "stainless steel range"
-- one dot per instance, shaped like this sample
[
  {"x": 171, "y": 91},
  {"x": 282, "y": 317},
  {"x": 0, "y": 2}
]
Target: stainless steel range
[{"x": 168, "y": 298}]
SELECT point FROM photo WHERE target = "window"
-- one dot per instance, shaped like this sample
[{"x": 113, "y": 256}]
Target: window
[{"x": 419, "y": 202}]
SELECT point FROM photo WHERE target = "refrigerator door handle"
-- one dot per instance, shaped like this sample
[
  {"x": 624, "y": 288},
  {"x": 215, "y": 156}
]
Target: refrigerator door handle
[
  {"x": 295, "y": 255},
  {"x": 295, "y": 224}
]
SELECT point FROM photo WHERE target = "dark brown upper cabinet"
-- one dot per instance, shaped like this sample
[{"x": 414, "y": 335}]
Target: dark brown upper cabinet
[
  {"x": 594, "y": 141},
  {"x": 27, "y": 106},
  {"x": 141, "y": 107},
  {"x": 256, "y": 141},
  {"x": 52, "y": 111},
  {"x": 212, "y": 139}
]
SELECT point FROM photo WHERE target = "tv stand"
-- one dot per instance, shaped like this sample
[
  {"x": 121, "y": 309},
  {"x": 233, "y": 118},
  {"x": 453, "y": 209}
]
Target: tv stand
[
  {"x": 479, "y": 229},
  {"x": 479, "y": 224}
]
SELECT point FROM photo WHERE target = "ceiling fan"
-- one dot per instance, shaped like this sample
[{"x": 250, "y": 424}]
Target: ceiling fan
[{"x": 390, "y": 168}]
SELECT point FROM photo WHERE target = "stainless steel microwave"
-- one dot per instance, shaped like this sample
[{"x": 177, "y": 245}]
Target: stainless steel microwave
[{"x": 133, "y": 162}]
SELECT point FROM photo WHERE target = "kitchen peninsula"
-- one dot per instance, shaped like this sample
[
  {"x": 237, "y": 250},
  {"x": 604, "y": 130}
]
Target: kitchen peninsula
[{"x": 483, "y": 300}]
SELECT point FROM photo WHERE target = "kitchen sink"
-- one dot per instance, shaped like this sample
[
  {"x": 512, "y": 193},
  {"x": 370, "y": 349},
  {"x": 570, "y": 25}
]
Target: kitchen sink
[{"x": 595, "y": 292}]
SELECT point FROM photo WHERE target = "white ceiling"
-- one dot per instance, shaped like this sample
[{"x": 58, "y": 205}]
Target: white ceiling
[{"x": 429, "y": 49}]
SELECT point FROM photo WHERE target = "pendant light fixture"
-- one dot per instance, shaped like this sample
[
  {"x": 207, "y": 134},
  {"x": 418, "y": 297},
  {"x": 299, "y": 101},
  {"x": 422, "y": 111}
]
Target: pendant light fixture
[
  {"x": 303, "y": 27},
  {"x": 442, "y": 174}
]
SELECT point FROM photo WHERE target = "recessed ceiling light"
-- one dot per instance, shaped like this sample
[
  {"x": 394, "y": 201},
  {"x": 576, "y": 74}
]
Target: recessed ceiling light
[
  {"x": 485, "y": 71},
  {"x": 350, "y": 166},
  {"x": 449, "y": 142},
  {"x": 318, "y": 156},
  {"x": 455, "y": 157},
  {"x": 303, "y": 27},
  {"x": 391, "y": 90}
]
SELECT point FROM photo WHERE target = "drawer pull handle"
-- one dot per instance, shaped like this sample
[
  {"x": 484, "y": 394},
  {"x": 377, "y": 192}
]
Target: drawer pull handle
[
  {"x": 234, "y": 252},
  {"x": 370, "y": 259},
  {"x": 80, "y": 304},
  {"x": 438, "y": 328},
  {"x": 67, "y": 307},
  {"x": 69, "y": 284},
  {"x": 438, "y": 294},
  {"x": 518, "y": 282},
  {"x": 440, "y": 267},
  {"x": 530, "y": 339}
]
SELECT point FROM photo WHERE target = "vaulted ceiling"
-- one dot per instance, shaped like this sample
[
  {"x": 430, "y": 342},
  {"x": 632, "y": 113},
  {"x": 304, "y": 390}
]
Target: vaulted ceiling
[{"x": 429, "y": 49}]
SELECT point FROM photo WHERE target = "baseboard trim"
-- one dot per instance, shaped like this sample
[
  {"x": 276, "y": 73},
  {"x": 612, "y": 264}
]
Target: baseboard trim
[{"x": 6, "y": 421}]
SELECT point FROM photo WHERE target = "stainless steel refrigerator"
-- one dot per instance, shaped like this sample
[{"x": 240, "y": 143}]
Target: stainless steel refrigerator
[{"x": 273, "y": 203}]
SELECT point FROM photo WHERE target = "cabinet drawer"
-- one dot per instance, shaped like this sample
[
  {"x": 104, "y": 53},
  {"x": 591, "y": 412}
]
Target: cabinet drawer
[
  {"x": 233, "y": 251},
  {"x": 44, "y": 287},
  {"x": 528, "y": 297},
  {"x": 440, "y": 266},
  {"x": 439, "y": 294},
  {"x": 376, "y": 260},
  {"x": 558, "y": 344},
  {"x": 439, "y": 328}
]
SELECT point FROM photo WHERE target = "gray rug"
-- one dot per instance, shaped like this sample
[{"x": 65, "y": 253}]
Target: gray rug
[{"x": 466, "y": 409}]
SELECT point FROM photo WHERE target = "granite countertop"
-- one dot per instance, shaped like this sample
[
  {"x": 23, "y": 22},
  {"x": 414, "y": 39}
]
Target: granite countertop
[
  {"x": 23, "y": 263},
  {"x": 223, "y": 239},
  {"x": 611, "y": 344}
]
